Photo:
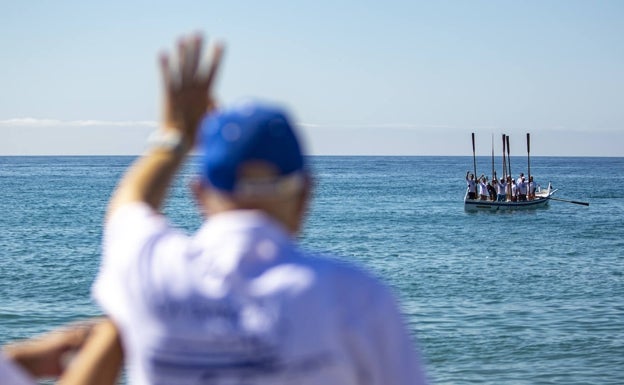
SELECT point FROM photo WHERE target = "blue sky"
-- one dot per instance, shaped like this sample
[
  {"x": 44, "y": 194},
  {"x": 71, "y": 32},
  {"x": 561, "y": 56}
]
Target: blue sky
[{"x": 360, "y": 77}]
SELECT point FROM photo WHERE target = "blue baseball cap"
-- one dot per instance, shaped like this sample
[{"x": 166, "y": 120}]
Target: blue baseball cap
[{"x": 249, "y": 132}]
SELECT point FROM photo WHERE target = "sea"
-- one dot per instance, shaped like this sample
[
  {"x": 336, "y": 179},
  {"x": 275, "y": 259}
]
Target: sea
[{"x": 523, "y": 297}]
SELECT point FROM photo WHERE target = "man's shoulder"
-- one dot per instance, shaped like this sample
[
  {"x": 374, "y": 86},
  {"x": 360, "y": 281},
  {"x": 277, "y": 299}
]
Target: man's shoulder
[
  {"x": 133, "y": 211},
  {"x": 136, "y": 221}
]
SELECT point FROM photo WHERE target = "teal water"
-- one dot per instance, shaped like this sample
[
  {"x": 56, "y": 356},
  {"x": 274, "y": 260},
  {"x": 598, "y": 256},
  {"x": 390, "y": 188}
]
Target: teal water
[{"x": 532, "y": 297}]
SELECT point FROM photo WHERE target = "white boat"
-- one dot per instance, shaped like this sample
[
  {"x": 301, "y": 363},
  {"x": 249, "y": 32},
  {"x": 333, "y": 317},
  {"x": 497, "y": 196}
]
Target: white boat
[{"x": 539, "y": 201}]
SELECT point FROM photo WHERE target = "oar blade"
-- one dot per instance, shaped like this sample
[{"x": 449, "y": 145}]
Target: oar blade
[{"x": 574, "y": 202}]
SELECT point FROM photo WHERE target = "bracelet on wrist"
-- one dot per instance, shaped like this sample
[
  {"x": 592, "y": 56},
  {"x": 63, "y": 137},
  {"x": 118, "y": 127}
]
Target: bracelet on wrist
[{"x": 169, "y": 140}]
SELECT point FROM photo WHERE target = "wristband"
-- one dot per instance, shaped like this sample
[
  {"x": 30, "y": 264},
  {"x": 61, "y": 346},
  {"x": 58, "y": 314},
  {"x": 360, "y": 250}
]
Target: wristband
[{"x": 168, "y": 140}]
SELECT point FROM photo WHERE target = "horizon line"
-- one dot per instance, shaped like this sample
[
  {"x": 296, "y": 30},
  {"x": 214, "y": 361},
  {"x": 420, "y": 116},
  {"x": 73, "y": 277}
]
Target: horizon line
[{"x": 49, "y": 122}]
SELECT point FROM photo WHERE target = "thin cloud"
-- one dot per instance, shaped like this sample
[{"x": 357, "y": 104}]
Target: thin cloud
[
  {"x": 401, "y": 126},
  {"x": 375, "y": 125},
  {"x": 35, "y": 122},
  {"x": 443, "y": 127},
  {"x": 52, "y": 123}
]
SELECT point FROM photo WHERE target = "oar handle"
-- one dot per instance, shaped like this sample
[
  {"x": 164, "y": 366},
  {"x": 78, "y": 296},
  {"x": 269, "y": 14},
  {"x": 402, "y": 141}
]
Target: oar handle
[
  {"x": 474, "y": 157},
  {"x": 529, "y": 162},
  {"x": 508, "y": 156},
  {"x": 473, "y": 143},
  {"x": 504, "y": 159}
]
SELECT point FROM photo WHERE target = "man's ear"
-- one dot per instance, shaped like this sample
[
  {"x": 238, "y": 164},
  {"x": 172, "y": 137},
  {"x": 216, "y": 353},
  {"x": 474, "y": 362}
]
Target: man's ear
[
  {"x": 197, "y": 190},
  {"x": 303, "y": 201},
  {"x": 195, "y": 186}
]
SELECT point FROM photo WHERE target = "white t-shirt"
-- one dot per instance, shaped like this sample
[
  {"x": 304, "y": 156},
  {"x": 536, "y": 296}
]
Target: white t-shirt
[
  {"x": 472, "y": 187},
  {"x": 522, "y": 188},
  {"x": 501, "y": 188},
  {"x": 483, "y": 188},
  {"x": 240, "y": 303},
  {"x": 11, "y": 374}
]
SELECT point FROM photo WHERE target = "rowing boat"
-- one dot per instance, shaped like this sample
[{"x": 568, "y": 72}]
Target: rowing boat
[{"x": 539, "y": 201}]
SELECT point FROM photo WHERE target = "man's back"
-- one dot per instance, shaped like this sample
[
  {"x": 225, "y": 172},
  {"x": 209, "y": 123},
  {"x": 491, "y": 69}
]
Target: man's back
[{"x": 240, "y": 302}]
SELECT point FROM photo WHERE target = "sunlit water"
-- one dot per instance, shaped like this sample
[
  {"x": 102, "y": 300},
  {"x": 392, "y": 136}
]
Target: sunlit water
[{"x": 533, "y": 297}]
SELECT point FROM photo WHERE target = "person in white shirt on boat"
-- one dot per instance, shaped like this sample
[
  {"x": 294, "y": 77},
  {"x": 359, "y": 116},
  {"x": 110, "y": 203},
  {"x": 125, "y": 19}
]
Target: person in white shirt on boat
[
  {"x": 514, "y": 190},
  {"x": 502, "y": 190},
  {"x": 522, "y": 189},
  {"x": 472, "y": 185},
  {"x": 531, "y": 188},
  {"x": 483, "y": 191},
  {"x": 239, "y": 301},
  {"x": 492, "y": 188}
]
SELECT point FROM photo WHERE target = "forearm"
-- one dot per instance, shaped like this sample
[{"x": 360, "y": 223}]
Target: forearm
[
  {"x": 148, "y": 179},
  {"x": 99, "y": 361},
  {"x": 42, "y": 356},
  {"x": 187, "y": 90}
]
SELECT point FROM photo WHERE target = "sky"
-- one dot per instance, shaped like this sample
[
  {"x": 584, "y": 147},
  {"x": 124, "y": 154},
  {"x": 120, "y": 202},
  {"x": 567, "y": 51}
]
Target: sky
[{"x": 359, "y": 77}]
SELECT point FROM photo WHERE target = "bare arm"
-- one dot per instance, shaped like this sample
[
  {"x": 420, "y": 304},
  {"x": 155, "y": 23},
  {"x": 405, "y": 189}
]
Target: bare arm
[
  {"x": 187, "y": 97},
  {"x": 98, "y": 354},
  {"x": 43, "y": 356},
  {"x": 99, "y": 361}
]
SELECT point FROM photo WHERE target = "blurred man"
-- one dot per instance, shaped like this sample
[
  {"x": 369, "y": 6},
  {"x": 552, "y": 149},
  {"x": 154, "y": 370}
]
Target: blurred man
[{"x": 239, "y": 301}]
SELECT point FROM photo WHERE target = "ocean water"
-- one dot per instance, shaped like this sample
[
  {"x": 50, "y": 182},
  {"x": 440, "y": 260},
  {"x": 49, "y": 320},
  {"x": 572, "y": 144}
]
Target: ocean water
[{"x": 533, "y": 297}]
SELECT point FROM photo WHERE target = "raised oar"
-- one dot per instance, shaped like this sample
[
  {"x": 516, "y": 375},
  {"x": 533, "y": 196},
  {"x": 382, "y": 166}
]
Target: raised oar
[
  {"x": 474, "y": 158},
  {"x": 504, "y": 161},
  {"x": 510, "y": 174},
  {"x": 493, "y": 171},
  {"x": 529, "y": 164},
  {"x": 575, "y": 202},
  {"x": 509, "y": 157}
]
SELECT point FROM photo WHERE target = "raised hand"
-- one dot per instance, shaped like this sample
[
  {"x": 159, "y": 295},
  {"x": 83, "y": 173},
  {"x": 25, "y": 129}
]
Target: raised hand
[{"x": 188, "y": 87}]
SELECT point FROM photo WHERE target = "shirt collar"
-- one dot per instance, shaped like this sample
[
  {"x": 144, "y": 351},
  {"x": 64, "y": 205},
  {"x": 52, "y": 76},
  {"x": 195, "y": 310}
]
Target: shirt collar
[{"x": 244, "y": 240}]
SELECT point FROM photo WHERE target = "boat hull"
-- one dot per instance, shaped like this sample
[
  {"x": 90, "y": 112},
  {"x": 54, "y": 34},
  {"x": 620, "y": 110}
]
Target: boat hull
[{"x": 480, "y": 205}]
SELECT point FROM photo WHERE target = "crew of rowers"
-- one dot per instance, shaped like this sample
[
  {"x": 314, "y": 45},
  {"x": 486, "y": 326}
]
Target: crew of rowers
[{"x": 497, "y": 190}]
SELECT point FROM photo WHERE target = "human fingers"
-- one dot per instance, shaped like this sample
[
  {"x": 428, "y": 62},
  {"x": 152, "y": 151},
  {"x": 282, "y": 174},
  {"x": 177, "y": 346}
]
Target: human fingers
[
  {"x": 193, "y": 56},
  {"x": 215, "y": 63},
  {"x": 182, "y": 61},
  {"x": 165, "y": 71},
  {"x": 189, "y": 52}
]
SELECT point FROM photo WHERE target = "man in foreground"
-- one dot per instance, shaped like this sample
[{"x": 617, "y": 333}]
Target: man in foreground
[{"x": 239, "y": 301}]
